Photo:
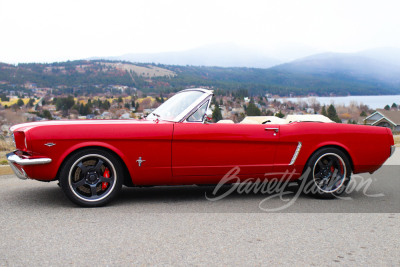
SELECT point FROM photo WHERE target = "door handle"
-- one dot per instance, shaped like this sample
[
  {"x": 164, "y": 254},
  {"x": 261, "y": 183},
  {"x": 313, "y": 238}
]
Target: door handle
[{"x": 272, "y": 129}]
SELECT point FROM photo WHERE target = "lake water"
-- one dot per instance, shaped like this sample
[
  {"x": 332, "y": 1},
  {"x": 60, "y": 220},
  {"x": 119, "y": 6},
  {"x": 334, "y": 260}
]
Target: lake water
[{"x": 373, "y": 101}]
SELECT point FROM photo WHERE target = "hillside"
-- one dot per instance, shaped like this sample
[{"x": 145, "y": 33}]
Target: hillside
[{"x": 323, "y": 74}]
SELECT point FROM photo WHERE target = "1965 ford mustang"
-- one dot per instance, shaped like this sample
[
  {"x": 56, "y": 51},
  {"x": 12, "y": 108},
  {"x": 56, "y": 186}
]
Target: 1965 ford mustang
[{"x": 177, "y": 145}]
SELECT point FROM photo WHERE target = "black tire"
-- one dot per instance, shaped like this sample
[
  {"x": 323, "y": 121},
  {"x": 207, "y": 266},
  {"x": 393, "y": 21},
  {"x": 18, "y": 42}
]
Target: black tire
[
  {"x": 83, "y": 177},
  {"x": 329, "y": 173}
]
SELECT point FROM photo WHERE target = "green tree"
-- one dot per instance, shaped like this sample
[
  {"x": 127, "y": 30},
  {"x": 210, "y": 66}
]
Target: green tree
[
  {"x": 217, "y": 115},
  {"x": 394, "y": 105},
  {"x": 363, "y": 114},
  {"x": 20, "y": 102},
  {"x": 323, "y": 111},
  {"x": 4, "y": 97},
  {"x": 387, "y": 107},
  {"x": 31, "y": 102},
  {"x": 253, "y": 110},
  {"x": 46, "y": 114},
  {"x": 84, "y": 109},
  {"x": 279, "y": 114},
  {"x": 65, "y": 103},
  {"x": 332, "y": 114},
  {"x": 81, "y": 109},
  {"x": 269, "y": 113},
  {"x": 105, "y": 105}
]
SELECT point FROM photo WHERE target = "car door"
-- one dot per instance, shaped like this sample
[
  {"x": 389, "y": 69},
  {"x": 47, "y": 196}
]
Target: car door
[{"x": 206, "y": 152}]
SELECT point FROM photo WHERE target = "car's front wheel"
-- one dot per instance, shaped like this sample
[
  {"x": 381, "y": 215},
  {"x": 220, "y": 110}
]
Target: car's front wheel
[
  {"x": 329, "y": 173},
  {"x": 91, "y": 177}
]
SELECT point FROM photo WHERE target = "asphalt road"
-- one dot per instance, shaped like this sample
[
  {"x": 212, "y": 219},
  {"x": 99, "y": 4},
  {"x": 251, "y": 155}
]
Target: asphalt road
[{"x": 179, "y": 226}]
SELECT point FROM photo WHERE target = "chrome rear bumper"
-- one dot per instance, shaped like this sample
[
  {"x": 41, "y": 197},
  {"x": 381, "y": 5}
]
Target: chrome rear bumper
[
  {"x": 392, "y": 149},
  {"x": 19, "y": 171}
]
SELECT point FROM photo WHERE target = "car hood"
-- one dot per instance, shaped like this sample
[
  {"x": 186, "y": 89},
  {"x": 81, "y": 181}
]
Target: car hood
[{"x": 30, "y": 125}]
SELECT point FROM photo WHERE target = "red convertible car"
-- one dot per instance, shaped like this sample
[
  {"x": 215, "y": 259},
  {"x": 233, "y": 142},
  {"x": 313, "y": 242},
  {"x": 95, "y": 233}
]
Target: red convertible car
[{"x": 177, "y": 145}]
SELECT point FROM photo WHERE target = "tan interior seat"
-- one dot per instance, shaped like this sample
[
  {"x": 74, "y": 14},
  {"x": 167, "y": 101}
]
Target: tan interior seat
[{"x": 226, "y": 121}]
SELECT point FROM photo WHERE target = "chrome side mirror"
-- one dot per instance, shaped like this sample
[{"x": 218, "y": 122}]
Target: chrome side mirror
[{"x": 208, "y": 116}]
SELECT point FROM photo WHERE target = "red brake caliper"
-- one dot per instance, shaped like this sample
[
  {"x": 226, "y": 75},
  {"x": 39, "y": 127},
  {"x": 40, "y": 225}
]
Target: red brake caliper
[{"x": 106, "y": 174}]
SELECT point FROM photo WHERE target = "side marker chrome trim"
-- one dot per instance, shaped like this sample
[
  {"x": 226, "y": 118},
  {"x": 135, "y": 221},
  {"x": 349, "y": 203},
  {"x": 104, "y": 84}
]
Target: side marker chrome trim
[{"x": 296, "y": 153}]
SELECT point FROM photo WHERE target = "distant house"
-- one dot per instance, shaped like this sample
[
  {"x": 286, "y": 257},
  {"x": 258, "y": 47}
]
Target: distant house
[
  {"x": 310, "y": 110},
  {"x": 385, "y": 118},
  {"x": 106, "y": 115},
  {"x": 125, "y": 116},
  {"x": 148, "y": 110}
]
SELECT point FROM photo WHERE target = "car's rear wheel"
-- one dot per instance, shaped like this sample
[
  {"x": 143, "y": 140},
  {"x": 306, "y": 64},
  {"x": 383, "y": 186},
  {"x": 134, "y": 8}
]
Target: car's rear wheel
[
  {"x": 91, "y": 177},
  {"x": 329, "y": 173}
]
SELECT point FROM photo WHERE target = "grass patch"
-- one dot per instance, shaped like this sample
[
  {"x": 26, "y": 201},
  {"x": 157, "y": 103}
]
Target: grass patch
[
  {"x": 3, "y": 159},
  {"x": 6, "y": 146},
  {"x": 396, "y": 139},
  {"x": 5, "y": 170}
]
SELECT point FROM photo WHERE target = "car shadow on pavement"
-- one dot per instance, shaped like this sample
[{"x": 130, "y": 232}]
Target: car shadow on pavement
[{"x": 184, "y": 193}]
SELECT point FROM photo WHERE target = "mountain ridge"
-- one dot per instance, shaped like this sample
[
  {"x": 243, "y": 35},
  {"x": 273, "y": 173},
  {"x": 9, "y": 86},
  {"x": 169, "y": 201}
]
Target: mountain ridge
[{"x": 320, "y": 74}]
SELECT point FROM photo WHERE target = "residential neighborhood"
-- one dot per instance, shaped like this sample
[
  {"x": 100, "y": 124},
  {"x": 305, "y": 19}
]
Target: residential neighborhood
[{"x": 122, "y": 102}]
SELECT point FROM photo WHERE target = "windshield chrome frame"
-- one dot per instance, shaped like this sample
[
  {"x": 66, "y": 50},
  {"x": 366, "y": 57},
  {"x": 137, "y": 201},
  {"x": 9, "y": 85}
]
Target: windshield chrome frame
[
  {"x": 194, "y": 106},
  {"x": 208, "y": 98}
]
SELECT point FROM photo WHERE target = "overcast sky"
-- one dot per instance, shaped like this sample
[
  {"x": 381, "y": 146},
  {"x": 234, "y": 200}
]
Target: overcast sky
[{"x": 57, "y": 30}]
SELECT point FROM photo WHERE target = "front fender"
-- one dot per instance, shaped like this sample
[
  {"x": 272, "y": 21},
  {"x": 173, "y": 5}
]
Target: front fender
[{"x": 88, "y": 144}]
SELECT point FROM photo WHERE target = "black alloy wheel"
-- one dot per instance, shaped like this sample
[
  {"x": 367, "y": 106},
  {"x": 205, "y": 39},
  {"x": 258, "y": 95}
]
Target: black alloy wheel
[{"x": 91, "y": 177}]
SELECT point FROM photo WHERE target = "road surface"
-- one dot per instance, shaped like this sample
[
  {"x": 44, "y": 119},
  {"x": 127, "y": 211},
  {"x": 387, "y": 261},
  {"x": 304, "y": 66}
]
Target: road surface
[{"x": 179, "y": 226}]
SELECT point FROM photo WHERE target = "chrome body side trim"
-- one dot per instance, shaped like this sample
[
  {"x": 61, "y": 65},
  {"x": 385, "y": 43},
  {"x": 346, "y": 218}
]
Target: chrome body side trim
[{"x": 296, "y": 154}]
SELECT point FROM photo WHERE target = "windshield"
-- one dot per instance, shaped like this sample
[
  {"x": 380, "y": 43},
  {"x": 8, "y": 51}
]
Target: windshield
[{"x": 174, "y": 106}]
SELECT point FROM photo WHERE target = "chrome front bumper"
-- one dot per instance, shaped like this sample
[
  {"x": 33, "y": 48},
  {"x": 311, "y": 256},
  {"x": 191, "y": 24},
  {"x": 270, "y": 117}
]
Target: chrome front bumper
[
  {"x": 19, "y": 172},
  {"x": 392, "y": 149}
]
